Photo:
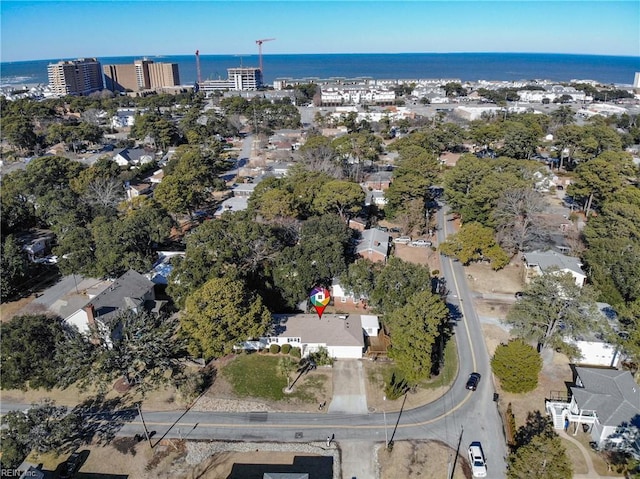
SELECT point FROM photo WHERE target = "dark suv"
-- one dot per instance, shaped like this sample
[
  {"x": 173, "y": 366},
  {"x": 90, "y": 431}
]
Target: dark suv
[{"x": 472, "y": 382}]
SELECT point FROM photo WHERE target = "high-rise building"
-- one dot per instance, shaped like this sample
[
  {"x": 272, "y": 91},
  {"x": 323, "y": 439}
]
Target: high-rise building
[
  {"x": 163, "y": 75},
  {"x": 75, "y": 77},
  {"x": 141, "y": 75},
  {"x": 245, "y": 78},
  {"x": 120, "y": 77}
]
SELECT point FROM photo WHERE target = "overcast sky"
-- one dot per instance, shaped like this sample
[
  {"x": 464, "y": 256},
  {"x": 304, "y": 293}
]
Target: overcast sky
[{"x": 36, "y": 30}]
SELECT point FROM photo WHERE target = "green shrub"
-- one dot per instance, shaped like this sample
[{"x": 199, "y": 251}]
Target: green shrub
[
  {"x": 296, "y": 352},
  {"x": 517, "y": 365},
  {"x": 321, "y": 357},
  {"x": 286, "y": 348},
  {"x": 396, "y": 387},
  {"x": 274, "y": 348}
]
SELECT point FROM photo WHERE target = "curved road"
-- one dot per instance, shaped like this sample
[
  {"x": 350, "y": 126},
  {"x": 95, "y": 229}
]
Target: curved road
[
  {"x": 460, "y": 415},
  {"x": 457, "y": 418}
]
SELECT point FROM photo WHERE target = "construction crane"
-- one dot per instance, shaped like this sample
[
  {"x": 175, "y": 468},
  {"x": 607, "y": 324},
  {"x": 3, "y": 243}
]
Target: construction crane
[
  {"x": 198, "y": 67},
  {"x": 260, "y": 42}
]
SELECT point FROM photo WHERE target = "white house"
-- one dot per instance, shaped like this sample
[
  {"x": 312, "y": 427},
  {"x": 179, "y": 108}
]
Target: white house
[
  {"x": 593, "y": 346},
  {"x": 370, "y": 324},
  {"x": 131, "y": 291},
  {"x": 607, "y": 400},
  {"x": 341, "y": 335},
  {"x": 132, "y": 156},
  {"x": 537, "y": 262}
]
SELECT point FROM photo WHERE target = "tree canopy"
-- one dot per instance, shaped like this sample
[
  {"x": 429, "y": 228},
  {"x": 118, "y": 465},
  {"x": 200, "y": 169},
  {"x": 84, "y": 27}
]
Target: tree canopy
[
  {"x": 414, "y": 330},
  {"x": 554, "y": 308},
  {"x": 220, "y": 314},
  {"x": 517, "y": 365}
]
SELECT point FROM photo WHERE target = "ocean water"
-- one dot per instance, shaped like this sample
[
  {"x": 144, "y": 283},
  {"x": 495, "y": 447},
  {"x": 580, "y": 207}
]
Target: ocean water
[{"x": 463, "y": 66}]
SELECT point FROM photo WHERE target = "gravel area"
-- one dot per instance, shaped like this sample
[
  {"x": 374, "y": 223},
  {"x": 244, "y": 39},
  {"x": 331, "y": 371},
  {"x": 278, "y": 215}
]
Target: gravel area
[
  {"x": 229, "y": 405},
  {"x": 198, "y": 452}
]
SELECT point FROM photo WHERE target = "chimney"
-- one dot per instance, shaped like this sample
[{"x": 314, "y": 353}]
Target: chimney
[{"x": 91, "y": 315}]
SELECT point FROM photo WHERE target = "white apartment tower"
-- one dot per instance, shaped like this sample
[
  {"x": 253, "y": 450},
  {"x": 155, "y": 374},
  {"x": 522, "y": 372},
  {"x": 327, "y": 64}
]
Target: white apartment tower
[{"x": 75, "y": 77}]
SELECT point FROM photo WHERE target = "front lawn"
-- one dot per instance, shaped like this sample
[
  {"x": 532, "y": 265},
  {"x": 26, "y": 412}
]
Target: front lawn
[{"x": 257, "y": 375}]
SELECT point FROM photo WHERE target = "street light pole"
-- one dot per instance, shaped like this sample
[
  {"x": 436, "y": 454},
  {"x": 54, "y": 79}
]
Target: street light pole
[{"x": 384, "y": 414}]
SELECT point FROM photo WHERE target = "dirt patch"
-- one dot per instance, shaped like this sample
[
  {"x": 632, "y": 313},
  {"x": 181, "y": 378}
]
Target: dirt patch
[
  {"x": 419, "y": 459},
  {"x": 493, "y": 336},
  {"x": 14, "y": 308},
  {"x": 490, "y": 308},
  {"x": 424, "y": 256},
  {"x": 483, "y": 279}
]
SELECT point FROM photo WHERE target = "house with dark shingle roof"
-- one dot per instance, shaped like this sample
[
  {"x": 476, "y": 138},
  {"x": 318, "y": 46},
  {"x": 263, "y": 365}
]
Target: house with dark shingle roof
[
  {"x": 607, "y": 400},
  {"x": 131, "y": 291}
]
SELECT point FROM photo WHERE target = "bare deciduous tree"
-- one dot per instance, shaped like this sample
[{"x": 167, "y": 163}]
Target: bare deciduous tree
[
  {"x": 324, "y": 159},
  {"x": 104, "y": 192},
  {"x": 519, "y": 223}
]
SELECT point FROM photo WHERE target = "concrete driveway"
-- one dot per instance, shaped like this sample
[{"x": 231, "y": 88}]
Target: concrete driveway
[{"x": 349, "y": 394}]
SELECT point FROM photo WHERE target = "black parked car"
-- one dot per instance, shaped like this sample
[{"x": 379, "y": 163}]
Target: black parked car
[
  {"x": 71, "y": 466},
  {"x": 472, "y": 382}
]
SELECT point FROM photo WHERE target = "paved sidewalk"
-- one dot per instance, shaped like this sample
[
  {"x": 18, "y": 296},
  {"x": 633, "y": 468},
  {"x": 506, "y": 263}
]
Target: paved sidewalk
[{"x": 592, "y": 474}]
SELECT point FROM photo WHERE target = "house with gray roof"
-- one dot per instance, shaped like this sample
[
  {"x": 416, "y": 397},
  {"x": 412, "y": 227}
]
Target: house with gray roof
[
  {"x": 373, "y": 245},
  {"x": 131, "y": 291},
  {"x": 537, "y": 262},
  {"x": 342, "y": 335},
  {"x": 133, "y": 157},
  {"x": 607, "y": 400}
]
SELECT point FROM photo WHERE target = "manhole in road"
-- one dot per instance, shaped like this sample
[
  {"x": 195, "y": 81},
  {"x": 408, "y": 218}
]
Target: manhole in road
[{"x": 298, "y": 435}]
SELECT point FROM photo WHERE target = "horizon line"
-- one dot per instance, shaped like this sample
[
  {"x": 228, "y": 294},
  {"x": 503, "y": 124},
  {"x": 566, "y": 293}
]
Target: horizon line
[{"x": 57, "y": 59}]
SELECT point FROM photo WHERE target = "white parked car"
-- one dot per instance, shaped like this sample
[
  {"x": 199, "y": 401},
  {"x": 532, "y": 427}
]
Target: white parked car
[
  {"x": 477, "y": 460},
  {"x": 421, "y": 243},
  {"x": 402, "y": 240}
]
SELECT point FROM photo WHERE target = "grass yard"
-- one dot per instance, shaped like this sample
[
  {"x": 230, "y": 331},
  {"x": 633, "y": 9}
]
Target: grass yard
[
  {"x": 258, "y": 376},
  {"x": 378, "y": 373}
]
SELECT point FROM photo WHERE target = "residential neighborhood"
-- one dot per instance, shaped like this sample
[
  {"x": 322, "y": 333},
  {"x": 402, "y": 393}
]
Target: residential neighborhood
[{"x": 158, "y": 260}]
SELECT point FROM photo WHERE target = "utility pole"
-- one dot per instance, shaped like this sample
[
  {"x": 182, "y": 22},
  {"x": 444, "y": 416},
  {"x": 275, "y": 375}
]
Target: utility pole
[
  {"x": 144, "y": 424},
  {"x": 384, "y": 414}
]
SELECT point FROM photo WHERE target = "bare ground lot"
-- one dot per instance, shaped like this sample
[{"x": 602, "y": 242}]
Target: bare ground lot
[{"x": 420, "y": 459}]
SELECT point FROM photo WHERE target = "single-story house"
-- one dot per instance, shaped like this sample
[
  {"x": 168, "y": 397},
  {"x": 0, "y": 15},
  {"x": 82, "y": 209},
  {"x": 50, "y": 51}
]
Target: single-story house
[
  {"x": 341, "y": 335},
  {"x": 243, "y": 189},
  {"x": 375, "y": 197},
  {"x": 133, "y": 157},
  {"x": 131, "y": 291},
  {"x": 36, "y": 243},
  {"x": 342, "y": 296},
  {"x": 358, "y": 223},
  {"x": 607, "y": 400},
  {"x": 373, "y": 245},
  {"x": 593, "y": 346},
  {"x": 537, "y": 262},
  {"x": 135, "y": 189},
  {"x": 235, "y": 203}
]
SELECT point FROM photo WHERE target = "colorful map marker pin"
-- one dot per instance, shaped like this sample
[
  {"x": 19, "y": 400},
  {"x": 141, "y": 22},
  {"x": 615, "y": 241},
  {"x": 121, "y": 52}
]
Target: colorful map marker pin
[{"x": 320, "y": 298}]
